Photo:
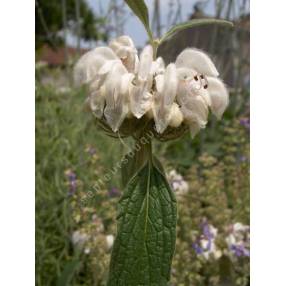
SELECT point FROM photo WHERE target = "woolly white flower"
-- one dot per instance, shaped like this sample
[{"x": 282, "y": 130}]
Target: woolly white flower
[
  {"x": 199, "y": 88},
  {"x": 192, "y": 84},
  {"x": 124, "y": 48},
  {"x": 92, "y": 69},
  {"x": 106, "y": 70},
  {"x": 94, "y": 65},
  {"x": 117, "y": 86},
  {"x": 121, "y": 85},
  {"x": 164, "y": 98},
  {"x": 141, "y": 98}
]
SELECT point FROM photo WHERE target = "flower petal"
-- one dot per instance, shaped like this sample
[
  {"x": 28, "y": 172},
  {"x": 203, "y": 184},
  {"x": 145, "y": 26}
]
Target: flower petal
[
  {"x": 122, "y": 41},
  {"x": 176, "y": 116},
  {"x": 126, "y": 81},
  {"x": 164, "y": 97},
  {"x": 102, "y": 74},
  {"x": 97, "y": 101},
  {"x": 194, "y": 128},
  {"x": 195, "y": 109},
  {"x": 158, "y": 67},
  {"x": 124, "y": 48},
  {"x": 145, "y": 64},
  {"x": 89, "y": 64},
  {"x": 161, "y": 118},
  {"x": 113, "y": 82},
  {"x": 185, "y": 74},
  {"x": 159, "y": 80},
  {"x": 117, "y": 90},
  {"x": 140, "y": 100},
  {"x": 218, "y": 95},
  {"x": 197, "y": 60},
  {"x": 170, "y": 85}
]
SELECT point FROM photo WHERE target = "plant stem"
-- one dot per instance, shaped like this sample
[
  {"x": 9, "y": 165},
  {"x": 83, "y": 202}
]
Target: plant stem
[
  {"x": 155, "y": 44},
  {"x": 144, "y": 147}
]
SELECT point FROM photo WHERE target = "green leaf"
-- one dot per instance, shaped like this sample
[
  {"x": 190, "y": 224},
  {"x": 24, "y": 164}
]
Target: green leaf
[
  {"x": 192, "y": 24},
  {"x": 145, "y": 242},
  {"x": 140, "y": 9}
]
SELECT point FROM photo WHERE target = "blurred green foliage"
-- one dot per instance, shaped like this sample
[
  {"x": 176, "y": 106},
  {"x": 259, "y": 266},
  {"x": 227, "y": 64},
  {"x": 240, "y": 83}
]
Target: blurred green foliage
[
  {"x": 215, "y": 164},
  {"x": 49, "y": 22}
]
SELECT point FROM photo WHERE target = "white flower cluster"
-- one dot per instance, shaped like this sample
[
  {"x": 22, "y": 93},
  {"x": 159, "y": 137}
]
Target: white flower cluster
[
  {"x": 84, "y": 239},
  {"x": 178, "y": 184},
  {"x": 123, "y": 85}
]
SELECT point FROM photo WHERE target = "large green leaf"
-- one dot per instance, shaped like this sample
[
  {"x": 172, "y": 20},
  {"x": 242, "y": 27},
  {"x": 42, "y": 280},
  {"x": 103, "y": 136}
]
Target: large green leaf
[
  {"x": 141, "y": 11},
  {"x": 145, "y": 242},
  {"x": 194, "y": 23}
]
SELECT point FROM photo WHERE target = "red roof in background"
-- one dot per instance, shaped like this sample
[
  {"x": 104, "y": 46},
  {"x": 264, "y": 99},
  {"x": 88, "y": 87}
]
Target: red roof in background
[{"x": 56, "y": 57}]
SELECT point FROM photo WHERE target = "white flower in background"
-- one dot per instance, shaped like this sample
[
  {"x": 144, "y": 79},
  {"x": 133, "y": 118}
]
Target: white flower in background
[
  {"x": 63, "y": 90},
  {"x": 109, "y": 240},
  {"x": 205, "y": 245},
  {"x": 238, "y": 240},
  {"x": 79, "y": 238},
  {"x": 178, "y": 184},
  {"x": 87, "y": 250},
  {"x": 122, "y": 85},
  {"x": 97, "y": 221}
]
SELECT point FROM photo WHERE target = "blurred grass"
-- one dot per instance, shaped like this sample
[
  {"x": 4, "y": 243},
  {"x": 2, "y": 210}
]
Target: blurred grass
[{"x": 62, "y": 132}]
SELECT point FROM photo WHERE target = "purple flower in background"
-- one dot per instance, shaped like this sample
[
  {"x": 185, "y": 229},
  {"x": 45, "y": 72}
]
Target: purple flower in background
[
  {"x": 238, "y": 240},
  {"x": 245, "y": 122},
  {"x": 90, "y": 150},
  {"x": 206, "y": 228},
  {"x": 242, "y": 158},
  {"x": 71, "y": 175},
  {"x": 239, "y": 250},
  {"x": 114, "y": 192},
  {"x": 72, "y": 182},
  {"x": 197, "y": 248},
  {"x": 205, "y": 244}
]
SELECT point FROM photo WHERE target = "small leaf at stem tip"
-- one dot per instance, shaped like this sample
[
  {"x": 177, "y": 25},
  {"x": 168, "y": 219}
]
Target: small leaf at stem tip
[
  {"x": 140, "y": 9},
  {"x": 194, "y": 23}
]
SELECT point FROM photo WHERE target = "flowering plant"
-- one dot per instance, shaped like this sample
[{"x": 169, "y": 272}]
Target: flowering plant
[{"x": 139, "y": 96}]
